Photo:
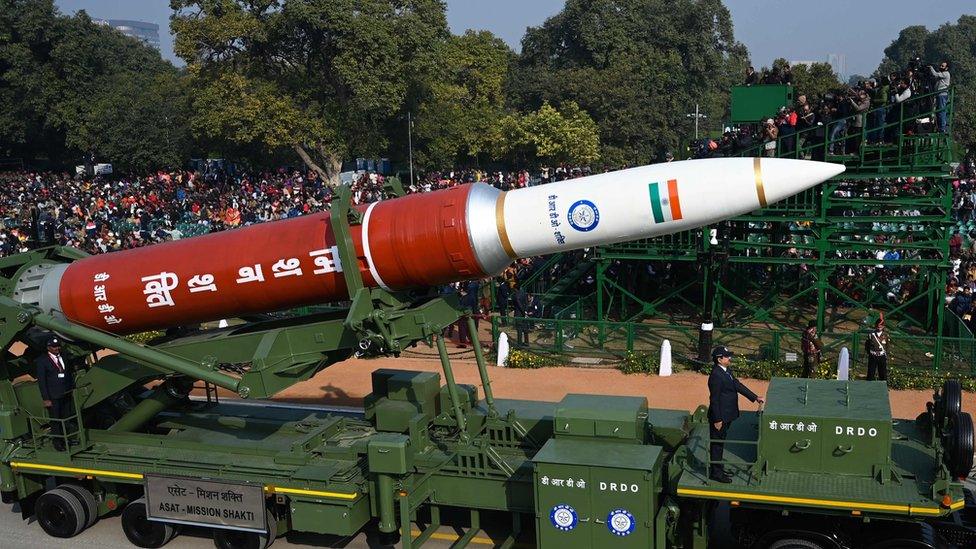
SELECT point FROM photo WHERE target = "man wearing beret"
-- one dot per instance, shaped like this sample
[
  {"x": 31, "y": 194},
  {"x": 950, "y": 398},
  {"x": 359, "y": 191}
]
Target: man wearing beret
[
  {"x": 55, "y": 380},
  {"x": 723, "y": 407}
]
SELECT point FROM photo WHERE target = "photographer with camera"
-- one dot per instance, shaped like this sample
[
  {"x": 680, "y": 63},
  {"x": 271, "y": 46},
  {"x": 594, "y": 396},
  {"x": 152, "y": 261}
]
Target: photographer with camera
[
  {"x": 860, "y": 104},
  {"x": 900, "y": 93},
  {"x": 844, "y": 107},
  {"x": 942, "y": 81},
  {"x": 878, "y": 93}
]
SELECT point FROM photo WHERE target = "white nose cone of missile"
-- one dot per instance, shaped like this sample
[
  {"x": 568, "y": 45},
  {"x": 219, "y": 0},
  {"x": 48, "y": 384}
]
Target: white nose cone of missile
[{"x": 633, "y": 204}]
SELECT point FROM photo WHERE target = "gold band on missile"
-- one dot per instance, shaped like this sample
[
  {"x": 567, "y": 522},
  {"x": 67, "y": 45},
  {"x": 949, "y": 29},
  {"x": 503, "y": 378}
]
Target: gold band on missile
[
  {"x": 500, "y": 223},
  {"x": 760, "y": 191}
]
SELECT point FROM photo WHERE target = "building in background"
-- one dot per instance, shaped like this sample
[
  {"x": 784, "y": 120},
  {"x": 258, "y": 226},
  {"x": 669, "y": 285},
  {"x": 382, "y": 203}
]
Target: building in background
[
  {"x": 147, "y": 33},
  {"x": 839, "y": 62}
]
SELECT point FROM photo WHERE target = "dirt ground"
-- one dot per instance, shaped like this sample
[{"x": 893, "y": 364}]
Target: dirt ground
[{"x": 346, "y": 383}]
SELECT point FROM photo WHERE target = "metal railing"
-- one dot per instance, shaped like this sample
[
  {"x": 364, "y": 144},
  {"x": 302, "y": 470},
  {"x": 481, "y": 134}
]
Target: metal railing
[
  {"x": 747, "y": 467},
  {"x": 893, "y": 125},
  {"x": 616, "y": 339},
  {"x": 42, "y": 429}
]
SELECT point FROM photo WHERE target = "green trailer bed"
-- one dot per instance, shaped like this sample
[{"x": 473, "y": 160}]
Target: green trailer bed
[{"x": 906, "y": 492}]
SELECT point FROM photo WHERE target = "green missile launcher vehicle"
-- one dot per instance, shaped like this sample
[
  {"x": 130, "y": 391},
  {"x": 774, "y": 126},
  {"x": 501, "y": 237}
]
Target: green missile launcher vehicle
[{"x": 824, "y": 465}]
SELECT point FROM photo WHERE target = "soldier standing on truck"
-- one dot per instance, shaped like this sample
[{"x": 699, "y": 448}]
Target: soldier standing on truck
[
  {"x": 877, "y": 347},
  {"x": 723, "y": 407},
  {"x": 56, "y": 382}
]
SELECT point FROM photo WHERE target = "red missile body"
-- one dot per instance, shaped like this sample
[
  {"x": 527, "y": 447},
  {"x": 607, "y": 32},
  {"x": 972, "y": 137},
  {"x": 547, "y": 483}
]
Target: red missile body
[{"x": 270, "y": 266}]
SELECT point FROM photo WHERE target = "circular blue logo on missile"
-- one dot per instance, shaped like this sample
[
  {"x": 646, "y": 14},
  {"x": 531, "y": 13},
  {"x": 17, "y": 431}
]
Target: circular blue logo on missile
[
  {"x": 620, "y": 522},
  {"x": 563, "y": 517},
  {"x": 583, "y": 215}
]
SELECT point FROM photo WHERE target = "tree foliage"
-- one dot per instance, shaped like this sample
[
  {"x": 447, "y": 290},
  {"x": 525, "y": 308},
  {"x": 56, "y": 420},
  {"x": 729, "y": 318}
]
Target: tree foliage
[
  {"x": 69, "y": 86},
  {"x": 813, "y": 80},
  {"x": 636, "y": 66},
  {"x": 567, "y": 135},
  {"x": 324, "y": 77},
  {"x": 955, "y": 43},
  {"x": 136, "y": 121},
  {"x": 464, "y": 100}
]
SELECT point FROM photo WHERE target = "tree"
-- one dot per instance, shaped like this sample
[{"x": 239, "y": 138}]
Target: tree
[
  {"x": 911, "y": 42},
  {"x": 955, "y": 43},
  {"x": 464, "y": 100},
  {"x": 63, "y": 84},
  {"x": 136, "y": 121},
  {"x": 325, "y": 78},
  {"x": 815, "y": 80},
  {"x": 636, "y": 66},
  {"x": 567, "y": 135}
]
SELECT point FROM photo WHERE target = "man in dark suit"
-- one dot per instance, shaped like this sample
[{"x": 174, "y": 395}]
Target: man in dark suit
[
  {"x": 55, "y": 380},
  {"x": 525, "y": 307},
  {"x": 723, "y": 407}
]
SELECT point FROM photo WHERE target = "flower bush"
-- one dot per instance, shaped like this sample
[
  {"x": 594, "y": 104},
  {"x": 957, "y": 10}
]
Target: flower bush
[
  {"x": 525, "y": 359},
  {"x": 637, "y": 362},
  {"x": 143, "y": 337},
  {"x": 898, "y": 379}
]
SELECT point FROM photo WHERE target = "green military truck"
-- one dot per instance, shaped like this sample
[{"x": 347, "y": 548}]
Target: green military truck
[{"x": 825, "y": 465}]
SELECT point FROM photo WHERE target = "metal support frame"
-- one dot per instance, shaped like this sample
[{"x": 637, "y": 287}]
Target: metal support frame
[{"x": 820, "y": 222}]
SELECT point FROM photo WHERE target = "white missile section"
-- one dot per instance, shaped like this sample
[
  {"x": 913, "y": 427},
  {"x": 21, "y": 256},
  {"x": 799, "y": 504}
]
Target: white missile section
[{"x": 637, "y": 203}]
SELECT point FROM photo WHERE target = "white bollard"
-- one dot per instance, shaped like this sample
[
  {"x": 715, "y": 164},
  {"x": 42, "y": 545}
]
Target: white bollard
[
  {"x": 844, "y": 364},
  {"x": 664, "y": 368},
  {"x": 502, "y": 349}
]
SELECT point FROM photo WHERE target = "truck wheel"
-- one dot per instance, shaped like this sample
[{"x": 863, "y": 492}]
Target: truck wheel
[
  {"x": 794, "y": 543},
  {"x": 959, "y": 447},
  {"x": 950, "y": 401},
  {"x": 235, "y": 539},
  {"x": 141, "y": 531},
  {"x": 389, "y": 539},
  {"x": 60, "y": 513},
  {"x": 87, "y": 499}
]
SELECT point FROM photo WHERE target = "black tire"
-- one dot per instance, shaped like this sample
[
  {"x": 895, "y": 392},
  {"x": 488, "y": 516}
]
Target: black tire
[
  {"x": 235, "y": 539},
  {"x": 795, "y": 543},
  {"x": 959, "y": 445},
  {"x": 60, "y": 513},
  {"x": 389, "y": 539},
  {"x": 141, "y": 531},
  {"x": 87, "y": 499},
  {"x": 951, "y": 398}
]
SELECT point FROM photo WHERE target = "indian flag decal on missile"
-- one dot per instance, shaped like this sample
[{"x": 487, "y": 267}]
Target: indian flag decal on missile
[{"x": 664, "y": 201}]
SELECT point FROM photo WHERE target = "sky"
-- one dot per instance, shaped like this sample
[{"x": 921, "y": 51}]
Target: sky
[{"x": 769, "y": 28}]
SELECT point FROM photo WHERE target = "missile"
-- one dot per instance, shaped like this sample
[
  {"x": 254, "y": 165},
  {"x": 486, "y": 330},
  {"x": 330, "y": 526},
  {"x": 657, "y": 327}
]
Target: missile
[{"x": 469, "y": 231}]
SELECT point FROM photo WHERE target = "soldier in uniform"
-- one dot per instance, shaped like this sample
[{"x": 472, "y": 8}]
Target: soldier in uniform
[
  {"x": 723, "y": 407},
  {"x": 55, "y": 380},
  {"x": 877, "y": 348},
  {"x": 812, "y": 348}
]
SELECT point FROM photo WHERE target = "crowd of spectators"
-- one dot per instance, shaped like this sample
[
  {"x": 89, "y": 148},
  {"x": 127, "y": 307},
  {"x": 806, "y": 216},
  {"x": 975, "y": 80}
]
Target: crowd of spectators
[
  {"x": 102, "y": 214},
  {"x": 841, "y": 121},
  {"x": 105, "y": 214},
  {"x": 962, "y": 246},
  {"x": 99, "y": 215}
]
